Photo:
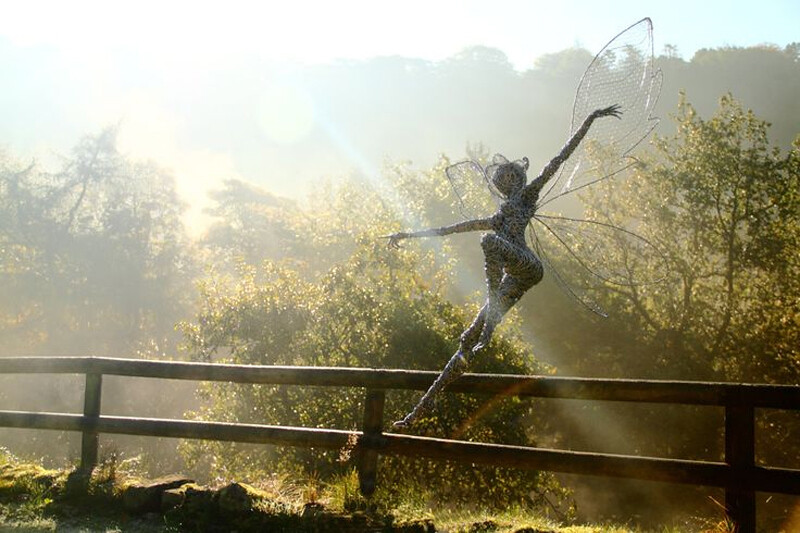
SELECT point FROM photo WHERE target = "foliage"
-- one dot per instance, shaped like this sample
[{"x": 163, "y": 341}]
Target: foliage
[
  {"x": 93, "y": 256},
  {"x": 94, "y": 259},
  {"x": 249, "y": 225},
  {"x": 723, "y": 206}
]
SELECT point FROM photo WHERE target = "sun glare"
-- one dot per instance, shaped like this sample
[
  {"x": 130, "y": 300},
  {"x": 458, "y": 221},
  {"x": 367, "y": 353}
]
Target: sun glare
[{"x": 286, "y": 113}]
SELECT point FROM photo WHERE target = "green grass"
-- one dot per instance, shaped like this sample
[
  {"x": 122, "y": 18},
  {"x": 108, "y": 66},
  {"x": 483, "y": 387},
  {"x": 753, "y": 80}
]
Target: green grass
[{"x": 35, "y": 499}]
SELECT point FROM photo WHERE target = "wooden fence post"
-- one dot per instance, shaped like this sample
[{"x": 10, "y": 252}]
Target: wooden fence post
[
  {"x": 740, "y": 502},
  {"x": 372, "y": 427},
  {"x": 91, "y": 411}
]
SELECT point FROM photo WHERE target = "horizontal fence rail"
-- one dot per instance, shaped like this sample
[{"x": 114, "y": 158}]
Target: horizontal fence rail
[
  {"x": 624, "y": 390},
  {"x": 739, "y": 474},
  {"x": 712, "y": 474}
]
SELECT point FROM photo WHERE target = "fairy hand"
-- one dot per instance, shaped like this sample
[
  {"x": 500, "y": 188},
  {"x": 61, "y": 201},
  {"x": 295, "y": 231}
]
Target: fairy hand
[
  {"x": 610, "y": 111},
  {"x": 395, "y": 238}
]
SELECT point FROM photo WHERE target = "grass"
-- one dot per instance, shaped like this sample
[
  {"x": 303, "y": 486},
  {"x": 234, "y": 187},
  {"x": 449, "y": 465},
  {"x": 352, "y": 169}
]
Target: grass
[{"x": 35, "y": 499}]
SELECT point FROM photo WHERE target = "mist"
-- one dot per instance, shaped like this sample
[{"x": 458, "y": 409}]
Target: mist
[{"x": 123, "y": 188}]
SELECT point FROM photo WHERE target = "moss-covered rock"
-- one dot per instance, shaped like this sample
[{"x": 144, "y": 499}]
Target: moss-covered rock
[
  {"x": 23, "y": 479},
  {"x": 172, "y": 498},
  {"x": 140, "y": 498},
  {"x": 15, "y": 478},
  {"x": 236, "y": 506},
  {"x": 240, "y": 498}
]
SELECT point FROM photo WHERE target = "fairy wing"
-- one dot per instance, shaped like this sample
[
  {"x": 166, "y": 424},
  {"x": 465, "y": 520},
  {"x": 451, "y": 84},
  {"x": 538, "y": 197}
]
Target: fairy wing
[
  {"x": 606, "y": 251},
  {"x": 470, "y": 183},
  {"x": 593, "y": 253},
  {"x": 572, "y": 289},
  {"x": 589, "y": 253},
  {"x": 622, "y": 73}
]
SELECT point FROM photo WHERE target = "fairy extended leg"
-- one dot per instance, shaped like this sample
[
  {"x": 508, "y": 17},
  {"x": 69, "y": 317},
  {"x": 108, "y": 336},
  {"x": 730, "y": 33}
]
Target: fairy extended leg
[
  {"x": 522, "y": 270},
  {"x": 455, "y": 367}
]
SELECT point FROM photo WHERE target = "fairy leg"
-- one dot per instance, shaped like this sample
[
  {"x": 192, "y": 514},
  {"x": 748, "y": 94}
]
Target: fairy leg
[
  {"x": 492, "y": 264},
  {"x": 455, "y": 368},
  {"x": 494, "y": 252},
  {"x": 523, "y": 270}
]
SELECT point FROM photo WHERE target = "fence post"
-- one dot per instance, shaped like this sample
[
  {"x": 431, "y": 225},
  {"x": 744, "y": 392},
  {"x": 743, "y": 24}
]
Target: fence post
[
  {"x": 91, "y": 411},
  {"x": 740, "y": 502},
  {"x": 372, "y": 427}
]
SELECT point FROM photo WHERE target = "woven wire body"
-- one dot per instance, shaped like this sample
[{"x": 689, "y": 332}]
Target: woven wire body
[{"x": 511, "y": 267}]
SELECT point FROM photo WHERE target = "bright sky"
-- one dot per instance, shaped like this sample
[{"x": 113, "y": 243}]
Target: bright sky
[
  {"x": 179, "y": 40},
  {"x": 321, "y": 31}
]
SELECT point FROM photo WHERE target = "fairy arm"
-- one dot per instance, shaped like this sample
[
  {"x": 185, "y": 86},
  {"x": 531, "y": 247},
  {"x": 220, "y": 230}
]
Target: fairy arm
[
  {"x": 479, "y": 224},
  {"x": 549, "y": 170}
]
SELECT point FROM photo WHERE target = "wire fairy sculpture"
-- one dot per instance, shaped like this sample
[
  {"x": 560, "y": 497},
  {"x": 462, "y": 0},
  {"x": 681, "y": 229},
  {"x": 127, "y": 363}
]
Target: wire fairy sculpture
[{"x": 613, "y": 108}]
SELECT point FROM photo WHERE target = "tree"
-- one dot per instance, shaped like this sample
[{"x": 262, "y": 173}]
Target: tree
[
  {"x": 94, "y": 255},
  {"x": 250, "y": 225},
  {"x": 722, "y": 205},
  {"x": 93, "y": 260}
]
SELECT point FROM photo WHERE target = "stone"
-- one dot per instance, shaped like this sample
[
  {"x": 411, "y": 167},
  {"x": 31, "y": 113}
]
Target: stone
[
  {"x": 172, "y": 498},
  {"x": 140, "y": 498},
  {"x": 199, "y": 500},
  {"x": 312, "y": 509},
  {"x": 239, "y": 498}
]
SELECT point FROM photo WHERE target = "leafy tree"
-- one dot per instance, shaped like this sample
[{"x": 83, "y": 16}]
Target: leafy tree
[
  {"x": 93, "y": 260},
  {"x": 722, "y": 205},
  {"x": 93, "y": 256},
  {"x": 250, "y": 225}
]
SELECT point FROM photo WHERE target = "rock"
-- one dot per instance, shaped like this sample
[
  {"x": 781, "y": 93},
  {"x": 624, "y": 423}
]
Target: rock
[
  {"x": 239, "y": 498},
  {"x": 486, "y": 525},
  {"x": 172, "y": 498},
  {"x": 199, "y": 500},
  {"x": 144, "y": 498},
  {"x": 29, "y": 472},
  {"x": 422, "y": 525},
  {"x": 312, "y": 509},
  {"x": 198, "y": 511}
]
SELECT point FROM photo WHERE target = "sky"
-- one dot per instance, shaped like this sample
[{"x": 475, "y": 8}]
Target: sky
[
  {"x": 356, "y": 29},
  {"x": 88, "y": 50}
]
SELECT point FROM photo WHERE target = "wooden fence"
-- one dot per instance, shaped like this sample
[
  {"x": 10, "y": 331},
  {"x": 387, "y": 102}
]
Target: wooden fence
[{"x": 739, "y": 474}]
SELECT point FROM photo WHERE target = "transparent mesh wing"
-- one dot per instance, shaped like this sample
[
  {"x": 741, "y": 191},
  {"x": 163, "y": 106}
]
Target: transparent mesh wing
[
  {"x": 472, "y": 184},
  {"x": 573, "y": 289},
  {"x": 592, "y": 251},
  {"x": 499, "y": 159},
  {"x": 475, "y": 194},
  {"x": 623, "y": 73}
]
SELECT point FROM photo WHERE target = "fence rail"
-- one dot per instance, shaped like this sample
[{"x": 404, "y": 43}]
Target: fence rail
[{"x": 738, "y": 474}]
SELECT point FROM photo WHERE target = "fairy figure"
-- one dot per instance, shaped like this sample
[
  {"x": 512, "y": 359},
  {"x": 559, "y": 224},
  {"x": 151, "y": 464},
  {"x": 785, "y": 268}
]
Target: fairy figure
[{"x": 622, "y": 73}]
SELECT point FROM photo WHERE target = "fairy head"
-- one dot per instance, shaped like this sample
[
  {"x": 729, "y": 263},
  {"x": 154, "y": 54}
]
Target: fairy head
[{"x": 509, "y": 177}]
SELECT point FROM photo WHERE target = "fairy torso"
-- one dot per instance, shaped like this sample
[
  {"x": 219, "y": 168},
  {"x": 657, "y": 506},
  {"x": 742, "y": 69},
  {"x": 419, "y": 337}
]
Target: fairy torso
[{"x": 511, "y": 220}]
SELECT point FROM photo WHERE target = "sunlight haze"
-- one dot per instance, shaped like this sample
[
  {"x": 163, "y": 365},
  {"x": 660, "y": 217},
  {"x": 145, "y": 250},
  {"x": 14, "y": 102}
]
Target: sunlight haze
[{"x": 159, "y": 71}]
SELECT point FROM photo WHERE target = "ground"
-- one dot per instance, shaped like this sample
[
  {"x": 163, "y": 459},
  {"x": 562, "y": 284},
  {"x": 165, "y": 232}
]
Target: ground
[{"x": 33, "y": 498}]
